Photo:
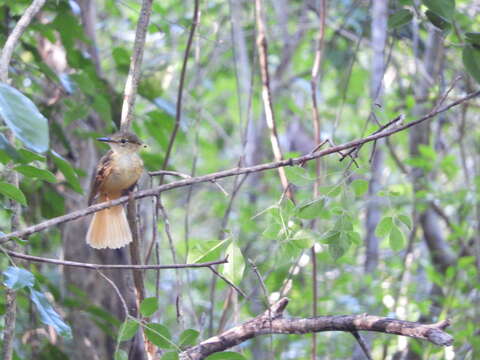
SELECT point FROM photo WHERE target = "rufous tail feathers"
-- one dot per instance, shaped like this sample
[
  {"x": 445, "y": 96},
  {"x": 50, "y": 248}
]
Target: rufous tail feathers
[{"x": 109, "y": 229}]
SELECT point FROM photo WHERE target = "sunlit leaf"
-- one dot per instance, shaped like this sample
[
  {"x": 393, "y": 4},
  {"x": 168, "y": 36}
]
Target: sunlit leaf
[
  {"x": 360, "y": 187},
  {"x": 312, "y": 209},
  {"x": 384, "y": 226},
  {"x": 298, "y": 175},
  {"x": 210, "y": 251},
  {"x": 233, "y": 270},
  {"x": 397, "y": 240},
  {"x": 23, "y": 118}
]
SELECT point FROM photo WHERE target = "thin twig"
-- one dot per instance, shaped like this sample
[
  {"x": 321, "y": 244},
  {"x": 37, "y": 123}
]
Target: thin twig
[
  {"x": 133, "y": 77},
  {"x": 228, "y": 281},
  {"x": 14, "y": 37},
  {"x": 227, "y": 173},
  {"x": 266, "y": 93},
  {"x": 178, "y": 111},
  {"x": 111, "y": 266},
  {"x": 363, "y": 344},
  {"x": 117, "y": 291}
]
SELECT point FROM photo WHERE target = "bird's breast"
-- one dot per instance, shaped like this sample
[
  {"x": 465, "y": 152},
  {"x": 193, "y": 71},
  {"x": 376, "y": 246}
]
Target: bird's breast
[{"x": 126, "y": 170}]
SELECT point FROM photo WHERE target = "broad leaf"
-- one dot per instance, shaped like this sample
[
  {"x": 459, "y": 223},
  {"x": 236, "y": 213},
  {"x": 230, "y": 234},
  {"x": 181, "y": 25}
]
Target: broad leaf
[
  {"x": 233, "y": 270},
  {"x": 48, "y": 315},
  {"x": 23, "y": 118},
  {"x": 397, "y": 240},
  {"x": 158, "y": 335},
  {"x": 473, "y": 38},
  {"x": 128, "y": 330},
  {"x": 445, "y": 8},
  {"x": 171, "y": 355},
  {"x": 384, "y": 226},
  {"x": 149, "y": 306},
  {"x": 67, "y": 170},
  {"x": 298, "y": 175},
  {"x": 12, "y": 192},
  {"x": 312, "y": 209},
  {"x": 226, "y": 355},
  {"x": 360, "y": 187},
  {"x": 400, "y": 18},
  {"x": 212, "y": 253},
  {"x": 439, "y": 21},
  {"x": 34, "y": 172},
  {"x": 406, "y": 220},
  {"x": 471, "y": 61},
  {"x": 17, "y": 278},
  {"x": 188, "y": 337}
]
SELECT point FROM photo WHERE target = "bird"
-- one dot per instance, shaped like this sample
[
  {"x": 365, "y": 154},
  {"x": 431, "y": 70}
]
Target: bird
[{"x": 117, "y": 173}]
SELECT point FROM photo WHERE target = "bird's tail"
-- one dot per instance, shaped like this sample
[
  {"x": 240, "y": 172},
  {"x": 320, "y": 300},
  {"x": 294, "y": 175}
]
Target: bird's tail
[{"x": 109, "y": 229}]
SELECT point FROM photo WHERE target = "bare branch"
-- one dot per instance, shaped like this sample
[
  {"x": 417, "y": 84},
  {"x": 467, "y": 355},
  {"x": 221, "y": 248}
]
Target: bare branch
[
  {"x": 113, "y": 266},
  {"x": 227, "y": 173},
  {"x": 133, "y": 78},
  {"x": 267, "y": 95},
  {"x": 273, "y": 322},
  {"x": 14, "y": 36},
  {"x": 178, "y": 111},
  {"x": 237, "y": 289}
]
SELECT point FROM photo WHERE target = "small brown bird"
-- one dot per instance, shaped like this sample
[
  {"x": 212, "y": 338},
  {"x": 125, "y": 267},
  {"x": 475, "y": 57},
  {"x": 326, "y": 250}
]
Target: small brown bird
[{"x": 117, "y": 172}]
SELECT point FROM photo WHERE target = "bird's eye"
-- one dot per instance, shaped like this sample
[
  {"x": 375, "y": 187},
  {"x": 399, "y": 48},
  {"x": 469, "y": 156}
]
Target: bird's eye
[{"x": 123, "y": 141}]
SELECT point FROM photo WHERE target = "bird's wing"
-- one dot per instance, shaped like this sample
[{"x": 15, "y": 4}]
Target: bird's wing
[{"x": 103, "y": 170}]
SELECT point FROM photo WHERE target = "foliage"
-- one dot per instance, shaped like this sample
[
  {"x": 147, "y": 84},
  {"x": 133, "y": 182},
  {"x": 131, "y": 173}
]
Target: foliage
[{"x": 221, "y": 127}]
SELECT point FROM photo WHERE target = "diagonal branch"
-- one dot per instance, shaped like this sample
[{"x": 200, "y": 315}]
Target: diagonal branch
[
  {"x": 227, "y": 173},
  {"x": 273, "y": 322}
]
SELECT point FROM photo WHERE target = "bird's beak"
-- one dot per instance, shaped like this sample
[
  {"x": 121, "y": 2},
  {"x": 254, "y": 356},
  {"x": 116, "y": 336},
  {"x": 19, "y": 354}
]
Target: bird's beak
[{"x": 105, "y": 139}]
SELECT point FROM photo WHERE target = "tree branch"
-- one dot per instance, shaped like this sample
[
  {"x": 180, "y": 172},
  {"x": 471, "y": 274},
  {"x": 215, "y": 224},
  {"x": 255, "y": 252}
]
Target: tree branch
[
  {"x": 178, "y": 110},
  {"x": 227, "y": 173},
  {"x": 133, "y": 78},
  {"x": 14, "y": 36},
  {"x": 273, "y": 322},
  {"x": 114, "y": 266}
]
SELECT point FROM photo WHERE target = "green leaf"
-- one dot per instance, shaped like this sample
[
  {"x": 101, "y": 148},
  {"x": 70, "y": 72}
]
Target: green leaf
[
  {"x": 473, "y": 38},
  {"x": 397, "y": 240},
  {"x": 34, "y": 172},
  {"x": 149, "y": 306},
  {"x": 121, "y": 355},
  {"x": 233, "y": 270},
  {"x": 17, "y": 278},
  {"x": 338, "y": 248},
  {"x": 439, "y": 21},
  {"x": 400, "y": 18},
  {"x": 207, "y": 251},
  {"x": 330, "y": 237},
  {"x": 67, "y": 170},
  {"x": 6, "y": 147},
  {"x": 188, "y": 337},
  {"x": 226, "y": 355},
  {"x": 406, "y": 220},
  {"x": 312, "y": 209},
  {"x": 298, "y": 175},
  {"x": 354, "y": 237},
  {"x": 471, "y": 61},
  {"x": 330, "y": 191},
  {"x": 303, "y": 239},
  {"x": 128, "y": 330},
  {"x": 384, "y": 226},
  {"x": 445, "y": 8},
  {"x": 171, "y": 355},
  {"x": 360, "y": 187},
  {"x": 158, "y": 335},
  {"x": 12, "y": 192},
  {"x": 48, "y": 315},
  {"x": 23, "y": 118}
]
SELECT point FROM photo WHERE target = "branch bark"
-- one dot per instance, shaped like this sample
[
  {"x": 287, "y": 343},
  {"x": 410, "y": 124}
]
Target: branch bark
[
  {"x": 273, "y": 322},
  {"x": 231, "y": 172},
  {"x": 133, "y": 78}
]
